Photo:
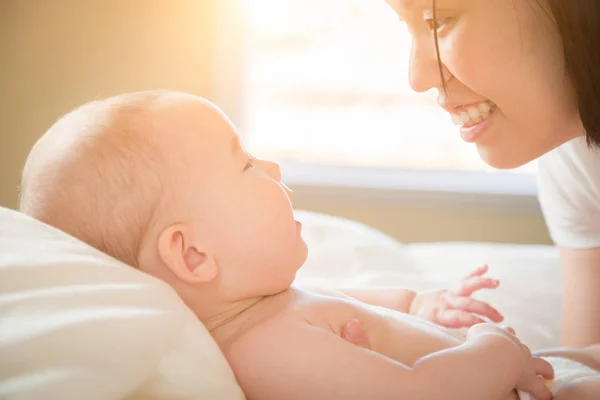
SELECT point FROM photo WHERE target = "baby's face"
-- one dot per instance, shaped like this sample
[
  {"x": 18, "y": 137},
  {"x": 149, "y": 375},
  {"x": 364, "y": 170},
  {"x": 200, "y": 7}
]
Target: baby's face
[{"x": 236, "y": 203}]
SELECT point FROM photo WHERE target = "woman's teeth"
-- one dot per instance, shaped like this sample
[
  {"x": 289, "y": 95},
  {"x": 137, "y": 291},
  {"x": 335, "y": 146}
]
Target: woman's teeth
[{"x": 473, "y": 114}]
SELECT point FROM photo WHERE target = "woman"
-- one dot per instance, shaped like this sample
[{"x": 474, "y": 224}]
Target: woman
[{"x": 522, "y": 79}]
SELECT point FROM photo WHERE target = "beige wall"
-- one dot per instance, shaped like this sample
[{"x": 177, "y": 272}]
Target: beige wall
[
  {"x": 427, "y": 224},
  {"x": 57, "y": 54}
]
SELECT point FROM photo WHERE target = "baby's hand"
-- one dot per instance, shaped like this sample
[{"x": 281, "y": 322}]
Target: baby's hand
[
  {"x": 534, "y": 369},
  {"x": 455, "y": 308}
]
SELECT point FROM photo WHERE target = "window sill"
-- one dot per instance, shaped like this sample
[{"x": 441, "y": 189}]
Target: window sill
[{"x": 500, "y": 191}]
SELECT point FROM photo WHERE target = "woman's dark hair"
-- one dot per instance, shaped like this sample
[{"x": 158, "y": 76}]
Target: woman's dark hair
[{"x": 578, "y": 23}]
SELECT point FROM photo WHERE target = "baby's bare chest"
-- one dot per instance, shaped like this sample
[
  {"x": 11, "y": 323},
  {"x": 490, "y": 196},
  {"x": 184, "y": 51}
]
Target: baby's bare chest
[
  {"x": 383, "y": 327},
  {"x": 329, "y": 312}
]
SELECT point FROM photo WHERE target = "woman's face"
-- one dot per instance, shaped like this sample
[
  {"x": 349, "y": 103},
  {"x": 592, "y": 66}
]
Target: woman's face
[{"x": 504, "y": 74}]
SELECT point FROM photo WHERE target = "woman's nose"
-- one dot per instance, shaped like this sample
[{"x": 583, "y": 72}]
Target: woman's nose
[{"x": 424, "y": 68}]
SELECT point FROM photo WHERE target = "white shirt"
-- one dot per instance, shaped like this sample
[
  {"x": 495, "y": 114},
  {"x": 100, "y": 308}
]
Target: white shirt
[{"x": 569, "y": 194}]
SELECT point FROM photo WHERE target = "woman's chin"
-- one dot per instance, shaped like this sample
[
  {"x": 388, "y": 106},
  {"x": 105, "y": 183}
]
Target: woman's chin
[{"x": 500, "y": 159}]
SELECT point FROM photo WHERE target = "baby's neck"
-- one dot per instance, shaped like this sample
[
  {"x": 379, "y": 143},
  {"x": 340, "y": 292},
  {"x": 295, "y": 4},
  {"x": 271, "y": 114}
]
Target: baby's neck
[
  {"x": 225, "y": 313},
  {"x": 227, "y": 321}
]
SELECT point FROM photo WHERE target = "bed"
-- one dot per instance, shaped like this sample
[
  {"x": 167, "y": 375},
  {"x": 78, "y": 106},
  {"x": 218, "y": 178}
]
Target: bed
[{"x": 75, "y": 323}]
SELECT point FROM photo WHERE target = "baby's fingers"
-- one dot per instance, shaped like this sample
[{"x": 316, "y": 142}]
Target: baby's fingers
[
  {"x": 470, "y": 305},
  {"x": 509, "y": 329},
  {"x": 455, "y": 319},
  {"x": 536, "y": 388},
  {"x": 472, "y": 284},
  {"x": 478, "y": 271},
  {"x": 543, "y": 368}
]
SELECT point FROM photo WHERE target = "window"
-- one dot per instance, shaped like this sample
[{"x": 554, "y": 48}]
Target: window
[{"x": 326, "y": 83}]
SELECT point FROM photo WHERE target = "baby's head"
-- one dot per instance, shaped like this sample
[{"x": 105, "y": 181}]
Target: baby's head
[{"x": 160, "y": 181}]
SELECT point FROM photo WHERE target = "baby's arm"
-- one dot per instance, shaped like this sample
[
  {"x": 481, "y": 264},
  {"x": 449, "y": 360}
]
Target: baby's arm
[
  {"x": 452, "y": 308},
  {"x": 295, "y": 360},
  {"x": 398, "y": 299}
]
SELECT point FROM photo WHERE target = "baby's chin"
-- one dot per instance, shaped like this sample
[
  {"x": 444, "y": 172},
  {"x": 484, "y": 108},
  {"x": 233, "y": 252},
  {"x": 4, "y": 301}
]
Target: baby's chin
[
  {"x": 301, "y": 260},
  {"x": 303, "y": 252}
]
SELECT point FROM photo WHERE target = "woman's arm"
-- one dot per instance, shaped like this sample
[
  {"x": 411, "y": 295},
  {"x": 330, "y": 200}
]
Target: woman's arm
[{"x": 581, "y": 304}]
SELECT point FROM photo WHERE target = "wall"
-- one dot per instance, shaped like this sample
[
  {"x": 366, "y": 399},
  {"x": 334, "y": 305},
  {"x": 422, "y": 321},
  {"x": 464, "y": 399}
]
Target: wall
[
  {"x": 55, "y": 55},
  {"x": 435, "y": 220},
  {"x": 58, "y": 54}
]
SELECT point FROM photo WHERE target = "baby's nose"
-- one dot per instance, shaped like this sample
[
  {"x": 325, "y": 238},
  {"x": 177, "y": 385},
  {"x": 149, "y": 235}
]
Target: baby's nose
[
  {"x": 270, "y": 168},
  {"x": 289, "y": 191}
]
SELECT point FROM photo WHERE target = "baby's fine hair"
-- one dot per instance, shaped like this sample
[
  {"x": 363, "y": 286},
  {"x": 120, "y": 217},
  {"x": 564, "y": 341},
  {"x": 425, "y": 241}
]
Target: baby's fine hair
[{"x": 95, "y": 174}]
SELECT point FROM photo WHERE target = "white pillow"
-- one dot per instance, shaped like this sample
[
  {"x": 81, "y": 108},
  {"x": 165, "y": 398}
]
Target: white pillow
[{"x": 77, "y": 324}]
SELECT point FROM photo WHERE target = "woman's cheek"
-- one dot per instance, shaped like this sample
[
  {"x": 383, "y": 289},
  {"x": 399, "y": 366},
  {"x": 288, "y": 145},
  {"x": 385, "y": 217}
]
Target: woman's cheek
[{"x": 473, "y": 53}]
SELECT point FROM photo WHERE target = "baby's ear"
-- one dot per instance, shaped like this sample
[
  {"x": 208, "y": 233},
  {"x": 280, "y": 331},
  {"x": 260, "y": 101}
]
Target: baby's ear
[{"x": 183, "y": 257}]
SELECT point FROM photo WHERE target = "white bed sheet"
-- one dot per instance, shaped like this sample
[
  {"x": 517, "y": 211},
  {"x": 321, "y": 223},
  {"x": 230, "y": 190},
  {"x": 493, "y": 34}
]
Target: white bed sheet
[{"x": 347, "y": 253}]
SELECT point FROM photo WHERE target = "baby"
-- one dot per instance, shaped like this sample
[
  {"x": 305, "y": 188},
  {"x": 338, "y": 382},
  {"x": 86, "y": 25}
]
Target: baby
[{"x": 160, "y": 181}]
